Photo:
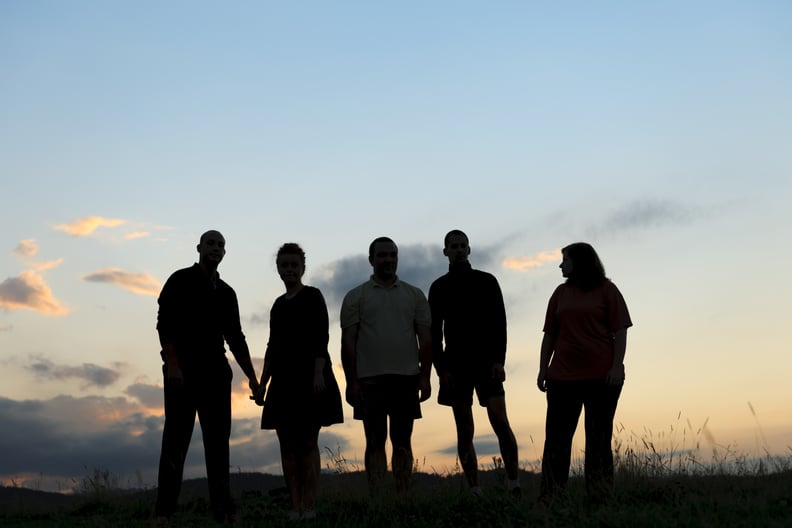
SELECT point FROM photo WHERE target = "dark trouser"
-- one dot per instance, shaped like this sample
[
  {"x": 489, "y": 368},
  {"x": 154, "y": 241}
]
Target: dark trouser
[
  {"x": 210, "y": 397},
  {"x": 565, "y": 399}
]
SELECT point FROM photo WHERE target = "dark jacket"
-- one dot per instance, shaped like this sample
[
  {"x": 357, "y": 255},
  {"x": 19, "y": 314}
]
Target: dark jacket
[
  {"x": 197, "y": 316},
  {"x": 469, "y": 314}
]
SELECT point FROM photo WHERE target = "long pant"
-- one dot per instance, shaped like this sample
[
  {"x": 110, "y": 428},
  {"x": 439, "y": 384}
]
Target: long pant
[
  {"x": 210, "y": 397},
  {"x": 565, "y": 400}
]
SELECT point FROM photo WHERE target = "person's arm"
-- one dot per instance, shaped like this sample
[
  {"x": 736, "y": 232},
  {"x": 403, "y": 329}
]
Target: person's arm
[
  {"x": 616, "y": 373},
  {"x": 498, "y": 314},
  {"x": 424, "y": 333},
  {"x": 349, "y": 336},
  {"x": 167, "y": 317},
  {"x": 548, "y": 345},
  {"x": 436, "y": 299},
  {"x": 238, "y": 344}
]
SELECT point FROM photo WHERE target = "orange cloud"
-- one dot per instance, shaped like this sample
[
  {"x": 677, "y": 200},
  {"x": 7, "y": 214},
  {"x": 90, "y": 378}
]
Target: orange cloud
[
  {"x": 532, "y": 261},
  {"x": 26, "y": 248},
  {"x": 86, "y": 226},
  {"x": 137, "y": 234},
  {"x": 139, "y": 283},
  {"x": 28, "y": 291}
]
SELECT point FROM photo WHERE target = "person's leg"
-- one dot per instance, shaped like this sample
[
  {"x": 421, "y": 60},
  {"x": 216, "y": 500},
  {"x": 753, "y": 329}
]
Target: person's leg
[
  {"x": 176, "y": 435},
  {"x": 401, "y": 428},
  {"x": 496, "y": 411},
  {"x": 290, "y": 464},
  {"x": 600, "y": 404},
  {"x": 214, "y": 414},
  {"x": 309, "y": 467},
  {"x": 564, "y": 404},
  {"x": 465, "y": 429},
  {"x": 375, "y": 426}
]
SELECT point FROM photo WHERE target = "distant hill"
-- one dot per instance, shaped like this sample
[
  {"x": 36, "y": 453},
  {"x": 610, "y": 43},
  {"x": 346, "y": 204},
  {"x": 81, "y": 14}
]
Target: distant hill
[{"x": 18, "y": 499}]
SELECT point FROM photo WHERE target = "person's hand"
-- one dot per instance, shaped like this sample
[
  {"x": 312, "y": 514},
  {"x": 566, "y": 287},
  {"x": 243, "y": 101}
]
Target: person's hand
[
  {"x": 318, "y": 381},
  {"x": 175, "y": 375},
  {"x": 254, "y": 387},
  {"x": 541, "y": 380},
  {"x": 498, "y": 372},
  {"x": 353, "y": 392},
  {"x": 259, "y": 391},
  {"x": 424, "y": 388},
  {"x": 615, "y": 375}
]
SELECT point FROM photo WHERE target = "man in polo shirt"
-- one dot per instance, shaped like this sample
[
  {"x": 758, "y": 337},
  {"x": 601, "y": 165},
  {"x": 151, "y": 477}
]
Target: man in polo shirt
[{"x": 386, "y": 351}]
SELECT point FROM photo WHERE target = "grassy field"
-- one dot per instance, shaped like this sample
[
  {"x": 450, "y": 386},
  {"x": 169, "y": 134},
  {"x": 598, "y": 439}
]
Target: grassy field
[{"x": 672, "y": 488}]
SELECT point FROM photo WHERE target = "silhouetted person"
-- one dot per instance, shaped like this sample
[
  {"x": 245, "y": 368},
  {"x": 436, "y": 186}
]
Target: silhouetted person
[
  {"x": 468, "y": 311},
  {"x": 582, "y": 366},
  {"x": 387, "y": 370},
  {"x": 303, "y": 394},
  {"x": 198, "y": 312}
]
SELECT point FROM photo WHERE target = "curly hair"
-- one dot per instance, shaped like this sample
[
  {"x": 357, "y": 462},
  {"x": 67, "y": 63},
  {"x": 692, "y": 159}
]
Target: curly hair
[{"x": 291, "y": 248}]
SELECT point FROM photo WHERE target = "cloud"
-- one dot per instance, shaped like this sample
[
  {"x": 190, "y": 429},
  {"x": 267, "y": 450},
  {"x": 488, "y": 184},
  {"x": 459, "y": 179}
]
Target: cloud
[
  {"x": 28, "y": 291},
  {"x": 419, "y": 265},
  {"x": 645, "y": 214},
  {"x": 532, "y": 261},
  {"x": 92, "y": 375},
  {"x": 26, "y": 248},
  {"x": 139, "y": 283},
  {"x": 66, "y": 437},
  {"x": 148, "y": 395},
  {"x": 86, "y": 226},
  {"x": 137, "y": 234}
]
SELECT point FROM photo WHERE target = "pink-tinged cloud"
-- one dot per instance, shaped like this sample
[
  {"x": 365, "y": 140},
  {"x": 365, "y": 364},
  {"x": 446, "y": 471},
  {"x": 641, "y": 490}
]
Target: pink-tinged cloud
[
  {"x": 137, "y": 234},
  {"x": 26, "y": 248},
  {"x": 532, "y": 261},
  {"x": 28, "y": 291},
  {"x": 44, "y": 266},
  {"x": 86, "y": 226},
  {"x": 139, "y": 283}
]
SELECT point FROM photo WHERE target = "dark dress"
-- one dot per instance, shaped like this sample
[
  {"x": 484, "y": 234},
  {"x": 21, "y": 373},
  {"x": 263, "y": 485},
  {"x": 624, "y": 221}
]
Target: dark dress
[{"x": 298, "y": 336}]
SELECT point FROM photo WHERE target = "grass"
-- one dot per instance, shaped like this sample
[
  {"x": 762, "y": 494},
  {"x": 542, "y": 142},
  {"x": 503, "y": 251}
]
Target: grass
[{"x": 680, "y": 486}]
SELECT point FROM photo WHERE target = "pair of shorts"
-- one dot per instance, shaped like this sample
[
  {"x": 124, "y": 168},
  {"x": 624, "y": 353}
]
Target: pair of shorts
[
  {"x": 388, "y": 395},
  {"x": 459, "y": 391}
]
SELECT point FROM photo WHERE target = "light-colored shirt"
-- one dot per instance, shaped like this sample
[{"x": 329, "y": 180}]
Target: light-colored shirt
[{"x": 387, "y": 317}]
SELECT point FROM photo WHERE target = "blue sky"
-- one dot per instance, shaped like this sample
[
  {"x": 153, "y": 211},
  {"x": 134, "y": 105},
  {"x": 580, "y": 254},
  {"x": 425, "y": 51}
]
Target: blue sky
[{"x": 659, "y": 133}]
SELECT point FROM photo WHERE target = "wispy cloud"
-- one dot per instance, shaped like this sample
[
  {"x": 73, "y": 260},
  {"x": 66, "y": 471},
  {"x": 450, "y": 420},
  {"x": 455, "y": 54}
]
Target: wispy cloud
[
  {"x": 530, "y": 262},
  {"x": 139, "y": 283},
  {"x": 26, "y": 248},
  {"x": 137, "y": 234},
  {"x": 28, "y": 291},
  {"x": 86, "y": 226},
  {"x": 92, "y": 375},
  {"x": 645, "y": 214}
]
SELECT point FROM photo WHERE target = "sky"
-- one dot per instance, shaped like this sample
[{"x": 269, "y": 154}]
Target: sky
[{"x": 658, "y": 132}]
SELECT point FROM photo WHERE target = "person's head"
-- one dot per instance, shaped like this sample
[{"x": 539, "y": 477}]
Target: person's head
[
  {"x": 581, "y": 265},
  {"x": 384, "y": 258},
  {"x": 291, "y": 263},
  {"x": 211, "y": 249},
  {"x": 456, "y": 246}
]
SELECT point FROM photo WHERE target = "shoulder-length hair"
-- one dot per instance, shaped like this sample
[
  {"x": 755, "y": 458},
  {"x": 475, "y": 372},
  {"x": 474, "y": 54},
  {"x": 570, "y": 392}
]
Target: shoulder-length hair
[{"x": 587, "y": 269}]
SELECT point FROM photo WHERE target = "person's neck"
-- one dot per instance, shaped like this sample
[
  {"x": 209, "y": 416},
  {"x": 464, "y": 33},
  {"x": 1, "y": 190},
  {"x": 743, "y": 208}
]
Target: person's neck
[
  {"x": 390, "y": 281},
  {"x": 293, "y": 289},
  {"x": 209, "y": 269}
]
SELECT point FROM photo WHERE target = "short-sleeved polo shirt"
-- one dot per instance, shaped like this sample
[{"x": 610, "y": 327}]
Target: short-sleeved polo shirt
[{"x": 387, "y": 317}]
